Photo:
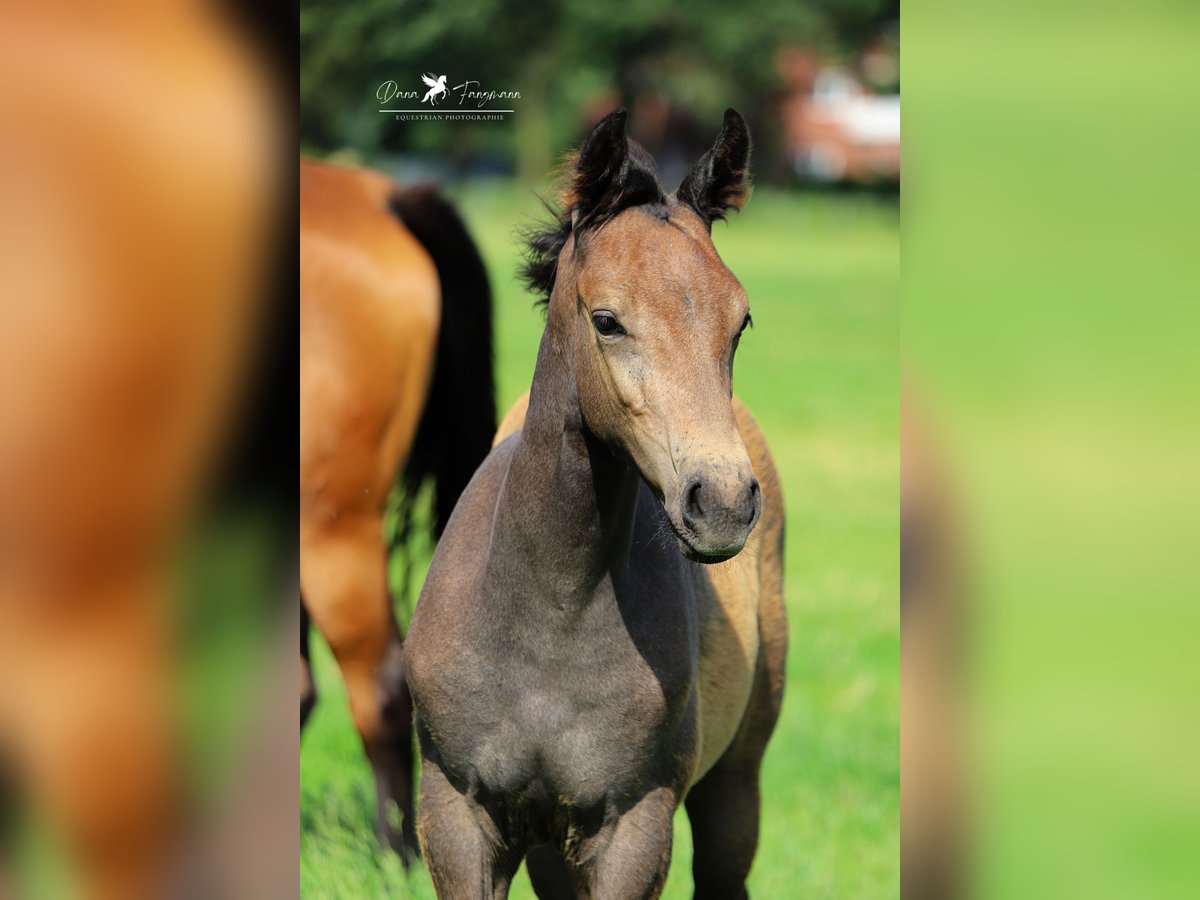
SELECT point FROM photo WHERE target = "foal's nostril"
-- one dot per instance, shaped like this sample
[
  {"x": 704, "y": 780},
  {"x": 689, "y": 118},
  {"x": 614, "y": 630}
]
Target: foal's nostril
[
  {"x": 754, "y": 501},
  {"x": 693, "y": 511}
]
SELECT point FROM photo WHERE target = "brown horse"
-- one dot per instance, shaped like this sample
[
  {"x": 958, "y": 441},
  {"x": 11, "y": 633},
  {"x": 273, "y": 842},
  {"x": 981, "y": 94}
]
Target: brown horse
[
  {"x": 395, "y": 376},
  {"x": 602, "y": 633},
  {"x": 133, "y": 239},
  {"x": 934, "y": 816}
]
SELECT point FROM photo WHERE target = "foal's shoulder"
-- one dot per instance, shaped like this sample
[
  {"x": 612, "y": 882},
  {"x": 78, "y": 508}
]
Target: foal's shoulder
[
  {"x": 513, "y": 420},
  {"x": 770, "y": 523},
  {"x": 737, "y": 583},
  {"x": 752, "y": 433}
]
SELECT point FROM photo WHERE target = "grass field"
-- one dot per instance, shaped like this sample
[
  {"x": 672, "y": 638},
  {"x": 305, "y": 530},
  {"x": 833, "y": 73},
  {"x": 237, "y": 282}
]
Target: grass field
[{"x": 820, "y": 369}]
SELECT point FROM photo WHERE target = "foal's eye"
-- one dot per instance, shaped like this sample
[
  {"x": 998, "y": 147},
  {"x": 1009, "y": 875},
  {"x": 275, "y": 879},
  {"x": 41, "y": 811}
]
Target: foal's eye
[
  {"x": 746, "y": 323},
  {"x": 606, "y": 323}
]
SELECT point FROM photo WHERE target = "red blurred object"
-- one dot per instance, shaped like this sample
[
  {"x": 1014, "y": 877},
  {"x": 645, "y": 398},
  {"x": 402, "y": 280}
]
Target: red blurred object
[{"x": 834, "y": 128}]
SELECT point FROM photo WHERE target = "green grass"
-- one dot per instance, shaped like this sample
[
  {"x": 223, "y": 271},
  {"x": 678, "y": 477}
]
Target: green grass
[{"x": 820, "y": 369}]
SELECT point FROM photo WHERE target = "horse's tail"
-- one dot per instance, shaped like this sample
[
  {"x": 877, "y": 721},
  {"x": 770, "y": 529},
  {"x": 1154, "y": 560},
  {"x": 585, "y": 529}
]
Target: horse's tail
[{"x": 459, "y": 419}]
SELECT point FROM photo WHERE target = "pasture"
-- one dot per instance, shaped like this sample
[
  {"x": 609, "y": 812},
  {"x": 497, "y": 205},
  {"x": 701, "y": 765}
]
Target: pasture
[{"x": 820, "y": 370}]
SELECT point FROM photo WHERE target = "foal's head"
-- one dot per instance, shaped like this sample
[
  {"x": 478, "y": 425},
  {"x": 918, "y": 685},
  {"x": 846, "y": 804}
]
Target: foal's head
[{"x": 649, "y": 317}]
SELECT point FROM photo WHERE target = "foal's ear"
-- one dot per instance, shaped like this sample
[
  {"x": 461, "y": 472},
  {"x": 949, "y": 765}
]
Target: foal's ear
[
  {"x": 720, "y": 180},
  {"x": 599, "y": 172}
]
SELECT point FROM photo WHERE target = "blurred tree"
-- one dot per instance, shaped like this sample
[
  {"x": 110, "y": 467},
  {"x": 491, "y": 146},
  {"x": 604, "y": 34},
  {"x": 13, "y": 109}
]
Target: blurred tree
[{"x": 702, "y": 57}]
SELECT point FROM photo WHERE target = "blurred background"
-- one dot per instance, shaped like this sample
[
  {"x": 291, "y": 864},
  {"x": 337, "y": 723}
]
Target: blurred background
[
  {"x": 817, "y": 249},
  {"x": 818, "y": 82}
]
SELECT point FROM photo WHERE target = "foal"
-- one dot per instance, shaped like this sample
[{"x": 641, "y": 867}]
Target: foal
[{"x": 577, "y": 670}]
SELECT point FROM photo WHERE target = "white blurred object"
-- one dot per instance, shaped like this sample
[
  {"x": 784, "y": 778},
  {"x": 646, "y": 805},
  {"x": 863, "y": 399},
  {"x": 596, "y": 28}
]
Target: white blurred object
[{"x": 840, "y": 132}]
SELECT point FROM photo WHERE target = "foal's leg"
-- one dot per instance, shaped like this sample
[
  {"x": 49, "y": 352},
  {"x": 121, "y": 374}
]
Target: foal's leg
[
  {"x": 467, "y": 856},
  {"x": 342, "y": 577},
  {"x": 630, "y": 860},
  {"x": 724, "y": 810},
  {"x": 548, "y": 873},
  {"x": 723, "y": 806}
]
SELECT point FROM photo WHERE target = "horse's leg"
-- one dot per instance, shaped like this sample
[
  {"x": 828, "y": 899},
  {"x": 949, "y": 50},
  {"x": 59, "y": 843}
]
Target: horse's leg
[
  {"x": 629, "y": 860},
  {"x": 724, "y": 810},
  {"x": 723, "y": 807},
  {"x": 308, "y": 687},
  {"x": 343, "y": 581},
  {"x": 392, "y": 757},
  {"x": 9, "y": 811},
  {"x": 548, "y": 874},
  {"x": 467, "y": 856},
  {"x": 93, "y": 730}
]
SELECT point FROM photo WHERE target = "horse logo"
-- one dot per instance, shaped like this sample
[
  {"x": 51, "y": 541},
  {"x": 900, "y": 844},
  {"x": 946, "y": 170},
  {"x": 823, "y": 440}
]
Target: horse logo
[{"x": 437, "y": 88}]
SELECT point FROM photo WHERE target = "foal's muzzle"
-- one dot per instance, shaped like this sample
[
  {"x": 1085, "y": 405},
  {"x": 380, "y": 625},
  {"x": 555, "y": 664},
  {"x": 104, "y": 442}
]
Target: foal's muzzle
[{"x": 718, "y": 508}]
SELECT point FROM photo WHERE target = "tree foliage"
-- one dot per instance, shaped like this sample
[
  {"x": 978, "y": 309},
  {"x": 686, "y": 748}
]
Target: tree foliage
[{"x": 702, "y": 56}]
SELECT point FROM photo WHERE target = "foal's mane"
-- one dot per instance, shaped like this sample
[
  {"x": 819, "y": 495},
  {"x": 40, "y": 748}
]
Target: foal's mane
[{"x": 636, "y": 184}]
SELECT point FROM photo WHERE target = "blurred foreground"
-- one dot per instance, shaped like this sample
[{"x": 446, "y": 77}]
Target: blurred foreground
[
  {"x": 1050, "y": 331},
  {"x": 141, "y": 560}
]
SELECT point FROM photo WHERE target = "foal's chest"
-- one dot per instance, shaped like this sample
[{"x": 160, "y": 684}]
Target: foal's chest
[{"x": 578, "y": 720}]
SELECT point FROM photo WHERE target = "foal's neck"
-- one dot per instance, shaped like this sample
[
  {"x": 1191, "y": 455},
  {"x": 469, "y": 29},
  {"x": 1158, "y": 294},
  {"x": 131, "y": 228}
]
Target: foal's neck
[{"x": 565, "y": 512}]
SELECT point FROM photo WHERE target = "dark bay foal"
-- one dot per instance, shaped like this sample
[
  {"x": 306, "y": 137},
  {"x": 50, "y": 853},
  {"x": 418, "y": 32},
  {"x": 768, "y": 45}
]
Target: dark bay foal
[{"x": 578, "y": 668}]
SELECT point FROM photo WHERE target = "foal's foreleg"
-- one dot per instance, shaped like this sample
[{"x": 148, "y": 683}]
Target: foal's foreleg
[
  {"x": 629, "y": 861},
  {"x": 548, "y": 873},
  {"x": 723, "y": 809},
  {"x": 724, "y": 806},
  {"x": 343, "y": 580},
  {"x": 467, "y": 856}
]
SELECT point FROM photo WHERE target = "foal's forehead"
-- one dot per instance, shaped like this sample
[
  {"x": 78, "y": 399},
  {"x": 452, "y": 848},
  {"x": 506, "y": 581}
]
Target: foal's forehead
[{"x": 662, "y": 251}]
